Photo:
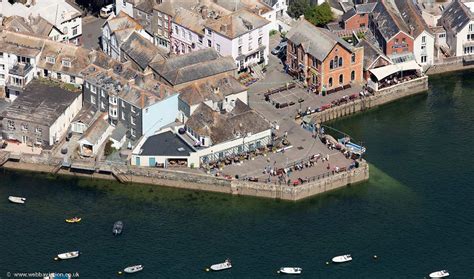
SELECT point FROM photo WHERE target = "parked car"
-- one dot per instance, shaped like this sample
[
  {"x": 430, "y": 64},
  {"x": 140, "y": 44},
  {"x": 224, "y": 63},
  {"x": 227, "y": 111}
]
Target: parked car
[
  {"x": 282, "y": 53},
  {"x": 279, "y": 48},
  {"x": 106, "y": 11}
]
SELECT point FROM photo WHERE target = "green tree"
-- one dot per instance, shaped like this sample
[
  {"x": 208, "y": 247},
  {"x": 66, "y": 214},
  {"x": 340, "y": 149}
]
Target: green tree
[
  {"x": 298, "y": 7},
  {"x": 319, "y": 15}
]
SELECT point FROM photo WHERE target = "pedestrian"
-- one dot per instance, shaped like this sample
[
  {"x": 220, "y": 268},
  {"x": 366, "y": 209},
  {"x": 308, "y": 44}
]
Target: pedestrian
[{"x": 328, "y": 167}]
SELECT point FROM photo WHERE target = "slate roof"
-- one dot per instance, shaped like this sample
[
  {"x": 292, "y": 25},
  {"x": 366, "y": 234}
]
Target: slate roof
[
  {"x": 371, "y": 53},
  {"x": 37, "y": 26},
  {"x": 316, "y": 41},
  {"x": 119, "y": 132},
  {"x": 77, "y": 56},
  {"x": 221, "y": 127},
  {"x": 347, "y": 15},
  {"x": 388, "y": 22},
  {"x": 146, "y": 6},
  {"x": 365, "y": 8},
  {"x": 122, "y": 21},
  {"x": 193, "y": 66},
  {"x": 40, "y": 103},
  {"x": 270, "y": 3},
  {"x": 165, "y": 144},
  {"x": 455, "y": 17},
  {"x": 20, "y": 44},
  {"x": 140, "y": 50},
  {"x": 237, "y": 23},
  {"x": 190, "y": 20},
  {"x": 199, "y": 92},
  {"x": 94, "y": 132},
  {"x": 411, "y": 17}
]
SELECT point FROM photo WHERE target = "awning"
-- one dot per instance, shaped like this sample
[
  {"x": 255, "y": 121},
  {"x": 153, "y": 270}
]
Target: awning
[{"x": 383, "y": 72}]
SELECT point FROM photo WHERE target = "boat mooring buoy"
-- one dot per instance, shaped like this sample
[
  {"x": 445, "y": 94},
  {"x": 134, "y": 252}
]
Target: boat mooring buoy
[
  {"x": 327, "y": 263},
  {"x": 375, "y": 257},
  {"x": 56, "y": 258},
  {"x": 207, "y": 269},
  {"x": 119, "y": 273}
]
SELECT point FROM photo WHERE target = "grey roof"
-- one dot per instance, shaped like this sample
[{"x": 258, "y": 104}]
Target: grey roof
[
  {"x": 95, "y": 132},
  {"x": 86, "y": 115},
  {"x": 237, "y": 23},
  {"x": 316, "y": 41},
  {"x": 140, "y": 50},
  {"x": 365, "y": 8},
  {"x": 411, "y": 16},
  {"x": 347, "y": 15},
  {"x": 193, "y": 66},
  {"x": 455, "y": 17},
  {"x": 270, "y": 3},
  {"x": 346, "y": 6},
  {"x": 221, "y": 127},
  {"x": 119, "y": 132},
  {"x": 165, "y": 144},
  {"x": 40, "y": 103},
  {"x": 146, "y": 6},
  {"x": 371, "y": 53},
  {"x": 388, "y": 21}
]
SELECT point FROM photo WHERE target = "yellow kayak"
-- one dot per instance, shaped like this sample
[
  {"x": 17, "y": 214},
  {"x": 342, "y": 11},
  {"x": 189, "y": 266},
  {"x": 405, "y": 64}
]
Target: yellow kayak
[{"x": 74, "y": 220}]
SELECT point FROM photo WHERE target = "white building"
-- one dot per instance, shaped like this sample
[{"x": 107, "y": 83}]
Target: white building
[
  {"x": 242, "y": 35},
  {"x": 125, "y": 6},
  {"x": 187, "y": 31},
  {"x": 66, "y": 18},
  {"x": 458, "y": 21}
]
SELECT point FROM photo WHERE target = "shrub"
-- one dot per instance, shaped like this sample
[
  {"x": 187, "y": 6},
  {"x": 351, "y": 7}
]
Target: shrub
[{"x": 108, "y": 148}]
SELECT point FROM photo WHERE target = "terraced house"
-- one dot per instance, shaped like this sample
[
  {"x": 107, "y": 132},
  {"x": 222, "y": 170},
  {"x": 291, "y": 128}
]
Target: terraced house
[{"x": 322, "y": 60}]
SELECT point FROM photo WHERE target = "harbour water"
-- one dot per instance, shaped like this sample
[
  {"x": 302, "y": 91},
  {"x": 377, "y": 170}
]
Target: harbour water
[{"x": 415, "y": 213}]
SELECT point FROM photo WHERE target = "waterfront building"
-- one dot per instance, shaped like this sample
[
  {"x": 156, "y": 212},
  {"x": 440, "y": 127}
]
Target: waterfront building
[
  {"x": 424, "y": 41},
  {"x": 242, "y": 35},
  {"x": 37, "y": 26},
  {"x": 357, "y": 17},
  {"x": 65, "y": 17},
  {"x": 188, "y": 31},
  {"x": 322, "y": 60},
  {"x": 142, "y": 104},
  {"x": 394, "y": 37},
  {"x": 41, "y": 115},
  {"x": 140, "y": 52},
  {"x": 208, "y": 137},
  {"x": 458, "y": 21},
  {"x": 180, "y": 71},
  {"x": 373, "y": 57},
  {"x": 95, "y": 136}
]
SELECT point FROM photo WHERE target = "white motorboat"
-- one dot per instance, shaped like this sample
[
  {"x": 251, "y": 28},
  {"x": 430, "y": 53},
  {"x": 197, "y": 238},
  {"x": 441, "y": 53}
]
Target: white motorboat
[
  {"x": 68, "y": 255},
  {"x": 439, "y": 274},
  {"x": 133, "y": 269},
  {"x": 18, "y": 200},
  {"x": 221, "y": 266},
  {"x": 290, "y": 270},
  {"x": 342, "y": 259}
]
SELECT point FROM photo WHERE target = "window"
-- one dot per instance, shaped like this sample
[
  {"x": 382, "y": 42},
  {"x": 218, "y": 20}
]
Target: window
[
  {"x": 166, "y": 24},
  {"x": 260, "y": 31},
  {"x": 24, "y": 126},
  {"x": 72, "y": 79},
  {"x": 240, "y": 50},
  {"x": 39, "y": 131},
  {"x": 133, "y": 132},
  {"x": 341, "y": 79},
  {"x": 190, "y": 35},
  {"x": 471, "y": 27},
  {"x": 87, "y": 85},
  {"x": 260, "y": 41},
  {"x": 160, "y": 14},
  {"x": 66, "y": 63},
  {"x": 123, "y": 104},
  {"x": 218, "y": 47},
  {"x": 102, "y": 93},
  {"x": 74, "y": 30},
  {"x": 315, "y": 63},
  {"x": 330, "y": 82},
  {"x": 11, "y": 125},
  {"x": 353, "y": 75},
  {"x": 423, "y": 40},
  {"x": 58, "y": 76},
  {"x": 331, "y": 65},
  {"x": 165, "y": 16},
  {"x": 183, "y": 34},
  {"x": 113, "y": 100},
  {"x": 2, "y": 76},
  {"x": 2, "y": 67},
  {"x": 102, "y": 105},
  {"x": 423, "y": 59},
  {"x": 132, "y": 108},
  {"x": 209, "y": 43},
  {"x": 176, "y": 30},
  {"x": 93, "y": 99},
  {"x": 200, "y": 39},
  {"x": 336, "y": 61},
  {"x": 239, "y": 41},
  {"x": 250, "y": 46},
  {"x": 340, "y": 61},
  {"x": 132, "y": 120},
  {"x": 160, "y": 22},
  {"x": 51, "y": 59},
  {"x": 353, "y": 58},
  {"x": 123, "y": 115},
  {"x": 404, "y": 41},
  {"x": 93, "y": 89},
  {"x": 209, "y": 32}
]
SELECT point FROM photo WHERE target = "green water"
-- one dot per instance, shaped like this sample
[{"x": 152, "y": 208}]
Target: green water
[{"x": 416, "y": 212}]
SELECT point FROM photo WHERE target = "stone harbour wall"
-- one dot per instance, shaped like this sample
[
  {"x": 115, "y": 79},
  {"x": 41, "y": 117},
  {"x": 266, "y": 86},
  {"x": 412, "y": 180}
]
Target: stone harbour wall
[{"x": 383, "y": 96}]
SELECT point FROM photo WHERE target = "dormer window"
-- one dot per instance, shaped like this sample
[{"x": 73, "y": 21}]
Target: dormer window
[
  {"x": 51, "y": 59},
  {"x": 66, "y": 63}
]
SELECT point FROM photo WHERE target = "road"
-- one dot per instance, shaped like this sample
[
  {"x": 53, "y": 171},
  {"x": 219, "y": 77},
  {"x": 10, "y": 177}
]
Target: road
[{"x": 91, "y": 31}]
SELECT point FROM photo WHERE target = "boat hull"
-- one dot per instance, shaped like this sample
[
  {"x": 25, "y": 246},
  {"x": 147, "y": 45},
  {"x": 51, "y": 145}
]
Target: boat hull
[
  {"x": 17, "y": 200},
  {"x": 73, "y": 220},
  {"x": 133, "y": 269},
  {"x": 342, "y": 259},
  {"x": 290, "y": 270},
  {"x": 68, "y": 255},
  {"x": 221, "y": 266},
  {"x": 439, "y": 274}
]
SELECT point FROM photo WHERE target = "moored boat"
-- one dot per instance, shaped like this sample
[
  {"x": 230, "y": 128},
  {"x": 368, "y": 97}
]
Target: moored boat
[
  {"x": 68, "y": 255},
  {"x": 221, "y": 266},
  {"x": 133, "y": 269},
  {"x": 439, "y": 274},
  {"x": 118, "y": 227},
  {"x": 290, "y": 270},
  {"x": 19, "y": 200},
  {"x": 74, "y": 220},
  {"x": 342, "y": 259}
]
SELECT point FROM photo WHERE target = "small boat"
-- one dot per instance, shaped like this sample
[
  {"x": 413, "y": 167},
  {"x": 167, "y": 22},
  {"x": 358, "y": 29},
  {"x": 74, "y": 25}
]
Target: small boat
[
  {"x": 74, "y": 220},
  {"x": 342, "y": 259},
  {"x": 221, "y": 266},
  {"x": 68, "y": 255},
  {"x": 118, "y": 227},
  {"x": 133, "y": 269},
  {"x": 18, "y": 200},
  {"x": 439, "y": 274},
  {"x": 290, "y": 270}
]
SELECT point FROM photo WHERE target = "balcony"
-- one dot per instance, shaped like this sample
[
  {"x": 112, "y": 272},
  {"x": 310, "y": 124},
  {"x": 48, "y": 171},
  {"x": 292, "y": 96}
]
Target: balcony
[{"x": 21, "y": 69}]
